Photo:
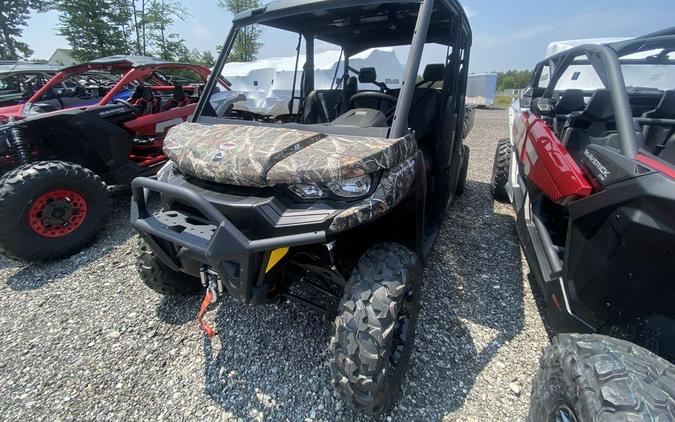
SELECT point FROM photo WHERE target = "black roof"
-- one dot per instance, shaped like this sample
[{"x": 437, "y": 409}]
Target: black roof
[
  {"x": 663, "y": 39},
  {"x": 8, "y": 66},
  {"x": 357, "y": 25}
]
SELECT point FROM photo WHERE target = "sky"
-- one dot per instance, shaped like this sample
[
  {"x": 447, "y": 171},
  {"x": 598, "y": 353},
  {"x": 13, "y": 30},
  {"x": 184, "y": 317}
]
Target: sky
[{"x": 507, "y": 34}]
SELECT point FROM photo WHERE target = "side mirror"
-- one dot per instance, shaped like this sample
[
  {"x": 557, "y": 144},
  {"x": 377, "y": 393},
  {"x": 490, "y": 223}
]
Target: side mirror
[
  {"x": 542, "y": 106},
  {"x": 526, "y": 97}
]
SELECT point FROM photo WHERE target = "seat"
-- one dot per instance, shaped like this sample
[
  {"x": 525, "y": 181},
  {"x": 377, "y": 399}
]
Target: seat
[
  {"x": 668, "y": 152},
  {"x": 178, "y": 99},
  {"x": 325, "y": 105},
  {"x": 137, "y": 95},
  {"x": 656, "y": 136},
  {"x": 147, "y": 104},
  {"x": 594, "y": 125},
  {"x": 572, "y": 100},
  {"x": 80, "y": 92},
  {"x": 425, "y": 110}
]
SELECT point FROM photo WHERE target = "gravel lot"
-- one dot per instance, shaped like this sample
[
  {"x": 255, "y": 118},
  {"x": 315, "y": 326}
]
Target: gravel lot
[{"x": 83, "y": 339}]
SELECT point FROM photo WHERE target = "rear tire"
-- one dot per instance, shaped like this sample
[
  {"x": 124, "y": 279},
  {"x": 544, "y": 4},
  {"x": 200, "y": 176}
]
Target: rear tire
[
  {"x": 469, "y": 120},
  {"x": 50, "y": 210},
  {"x": 500, "y": 170},
  {"x": 161, "y": 278},
  {"x": 375, "y": 327},
  {"x": 592, "y": 377},
  {"x": 461, "y": 183}
]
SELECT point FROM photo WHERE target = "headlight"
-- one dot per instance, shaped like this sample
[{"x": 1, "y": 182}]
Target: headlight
[
  {"x": 351, "y": 188},
  {"x": 307, "y": 190}
]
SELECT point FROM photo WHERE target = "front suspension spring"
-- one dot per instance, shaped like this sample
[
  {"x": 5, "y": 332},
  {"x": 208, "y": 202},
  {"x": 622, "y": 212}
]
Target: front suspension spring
[{"x": 21, "y": 146}]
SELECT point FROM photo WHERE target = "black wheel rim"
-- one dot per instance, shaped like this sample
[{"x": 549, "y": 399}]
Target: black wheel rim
[{"x": 403, "y": 328}]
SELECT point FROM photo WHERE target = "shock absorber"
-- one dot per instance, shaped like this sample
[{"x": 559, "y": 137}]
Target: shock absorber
[{"x": 21, "y": 146}]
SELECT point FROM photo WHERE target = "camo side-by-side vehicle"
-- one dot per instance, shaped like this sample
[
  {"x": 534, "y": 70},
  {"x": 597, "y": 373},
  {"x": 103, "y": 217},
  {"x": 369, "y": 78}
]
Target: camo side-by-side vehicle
[
  {"x": 590, "y": 171},
  {"x": 339, "y": 200}
]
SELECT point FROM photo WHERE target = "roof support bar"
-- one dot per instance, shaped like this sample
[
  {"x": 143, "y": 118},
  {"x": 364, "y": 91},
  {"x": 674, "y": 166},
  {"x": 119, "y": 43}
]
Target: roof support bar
[
  {"x": 215, "y": 74},
  {"x": 400, "y": 123}
]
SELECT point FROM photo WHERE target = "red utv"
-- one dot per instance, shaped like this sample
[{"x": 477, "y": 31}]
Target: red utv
[
  {"x": 94, "y": 124},
  {"x": 20, "y": 80},
  {"x": 590, "y": 171}
]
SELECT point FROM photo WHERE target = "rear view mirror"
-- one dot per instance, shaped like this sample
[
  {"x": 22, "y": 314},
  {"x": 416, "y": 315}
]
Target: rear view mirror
[{"x": 542, "y": 106}]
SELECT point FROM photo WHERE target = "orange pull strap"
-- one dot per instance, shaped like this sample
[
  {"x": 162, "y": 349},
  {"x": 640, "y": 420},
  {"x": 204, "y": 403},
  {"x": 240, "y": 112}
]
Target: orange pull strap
[{"x": 210, "y": 332}]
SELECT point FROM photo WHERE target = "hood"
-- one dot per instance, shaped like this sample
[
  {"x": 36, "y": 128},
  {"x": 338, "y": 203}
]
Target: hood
[{"x": 259, "y": 156}]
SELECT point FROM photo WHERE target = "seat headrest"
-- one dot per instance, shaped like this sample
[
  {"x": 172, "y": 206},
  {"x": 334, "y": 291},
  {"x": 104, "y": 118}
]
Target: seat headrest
[
  {"x": 434, "y": 72},
  {"x": 178, "y": 92},
  {"x": 600, "y": 106},
  {"x": 367, "y": 75},
  {"x": 666, "y": 107},
  {"x": 148, "y": 94},
  {"x": 138, "y": 93},
  {"x": 352, "y": 84},
  {"x": 571, "y": 100}
]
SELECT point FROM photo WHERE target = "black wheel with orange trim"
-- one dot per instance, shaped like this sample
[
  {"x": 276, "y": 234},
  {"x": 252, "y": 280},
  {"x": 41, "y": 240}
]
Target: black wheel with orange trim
[{"x": 50, "y": 210}]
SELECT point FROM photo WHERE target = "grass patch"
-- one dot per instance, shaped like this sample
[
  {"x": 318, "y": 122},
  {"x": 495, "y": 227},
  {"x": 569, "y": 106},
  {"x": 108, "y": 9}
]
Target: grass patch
[{"x": 502, "y": 101}]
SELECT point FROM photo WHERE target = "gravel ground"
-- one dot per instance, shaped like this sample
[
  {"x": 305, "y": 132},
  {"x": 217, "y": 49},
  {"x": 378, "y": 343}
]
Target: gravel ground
[{"x": 83, "y": 339}]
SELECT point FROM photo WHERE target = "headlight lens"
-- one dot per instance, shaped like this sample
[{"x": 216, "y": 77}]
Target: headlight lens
[
  {"x": 351, "y": 188},
  {"x": 307, "y": 190}
]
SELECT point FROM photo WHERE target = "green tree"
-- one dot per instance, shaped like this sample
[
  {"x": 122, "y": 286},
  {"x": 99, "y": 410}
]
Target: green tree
[
  {"x": 14, "y": 16},
  {"x": 95, "y": 28},
  {"x": 207, "y": 59},
  {"x": 247, "y": 44},
  {"x": 152, "y": 20},
  {"x": 513, "y": 79}
]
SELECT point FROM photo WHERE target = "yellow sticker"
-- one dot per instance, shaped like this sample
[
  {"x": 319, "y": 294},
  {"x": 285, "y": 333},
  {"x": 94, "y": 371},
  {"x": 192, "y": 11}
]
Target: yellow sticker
[{"x": 275, "y": 257}]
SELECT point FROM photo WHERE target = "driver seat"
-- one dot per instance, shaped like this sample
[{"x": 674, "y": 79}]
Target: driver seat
[
  {"x": 147, "y": 104},
  {"x": 425, "y": 110}
]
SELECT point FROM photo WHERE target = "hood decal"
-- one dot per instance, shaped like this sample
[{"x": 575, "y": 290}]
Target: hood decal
[
  {"x": 233, "y": 154},
  {"x": 259, "y": 156}
]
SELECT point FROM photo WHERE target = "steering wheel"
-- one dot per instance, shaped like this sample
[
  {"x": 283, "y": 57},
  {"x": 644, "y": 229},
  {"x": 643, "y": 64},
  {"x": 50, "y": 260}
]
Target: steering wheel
[
  {"x": 379, "y": 96},
  {"x": 124, "y": 102}
]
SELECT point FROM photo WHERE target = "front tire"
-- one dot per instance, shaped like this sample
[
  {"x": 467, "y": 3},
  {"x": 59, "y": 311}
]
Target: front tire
[
  {"x": 50, "y": 210},
  {"x": 161, "y": 278},
  {"x": 375, "y": 327},
  {"x": 597, "y": 378},
  {"x": 500, "y": 170}
]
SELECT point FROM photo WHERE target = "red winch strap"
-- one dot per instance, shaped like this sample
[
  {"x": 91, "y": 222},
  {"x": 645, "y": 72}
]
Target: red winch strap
[{"x": 210, "y": 332}]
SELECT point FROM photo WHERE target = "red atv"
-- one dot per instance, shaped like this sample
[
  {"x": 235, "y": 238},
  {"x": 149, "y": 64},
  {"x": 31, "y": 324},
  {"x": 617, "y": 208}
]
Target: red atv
[
  {"x": 590, "y": 171},
  {"x": 96, "y": 123}
]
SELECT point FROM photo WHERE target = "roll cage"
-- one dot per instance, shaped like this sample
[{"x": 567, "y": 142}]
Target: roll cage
[
  {"x": 607, "y": 60},
  {"x": 357, "y": 25},
  {"x": 130, "y": 68}
]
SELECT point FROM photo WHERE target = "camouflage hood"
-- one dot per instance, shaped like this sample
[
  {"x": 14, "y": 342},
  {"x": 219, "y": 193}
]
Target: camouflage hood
[{"x": 260, "y": 156}]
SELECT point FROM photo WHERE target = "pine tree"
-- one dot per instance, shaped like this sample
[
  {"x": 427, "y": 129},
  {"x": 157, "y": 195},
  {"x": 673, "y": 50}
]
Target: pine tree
[
  {"x": 14, "y": 16},
  {"x": 247, "y": 44}
]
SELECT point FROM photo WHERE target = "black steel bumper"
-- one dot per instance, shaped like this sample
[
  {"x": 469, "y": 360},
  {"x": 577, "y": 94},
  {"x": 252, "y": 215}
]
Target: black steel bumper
[{"x": 183, "y": 242}]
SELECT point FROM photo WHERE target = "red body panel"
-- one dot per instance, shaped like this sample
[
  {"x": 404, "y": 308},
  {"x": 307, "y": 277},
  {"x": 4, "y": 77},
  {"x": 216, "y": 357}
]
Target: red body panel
[
  {"x": 11, "y": 111},
  {"x": 159, "y": 123},
  {"x": 657, "y": 165},
  {"x": 546, "y": 162}
]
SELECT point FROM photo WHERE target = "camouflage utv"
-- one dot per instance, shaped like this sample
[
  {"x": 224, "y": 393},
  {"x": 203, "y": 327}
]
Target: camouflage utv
[{"x": 333, "y": 205}]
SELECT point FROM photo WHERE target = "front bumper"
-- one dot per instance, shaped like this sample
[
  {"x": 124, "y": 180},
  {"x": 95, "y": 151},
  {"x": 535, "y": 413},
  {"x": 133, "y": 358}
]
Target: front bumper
[{"x": 184, "y": 242}]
